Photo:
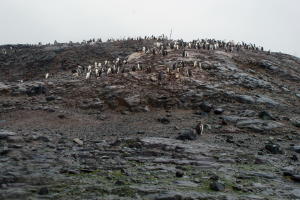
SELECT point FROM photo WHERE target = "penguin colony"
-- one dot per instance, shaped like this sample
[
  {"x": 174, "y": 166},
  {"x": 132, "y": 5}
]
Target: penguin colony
[{"x": 161, "y": 46}]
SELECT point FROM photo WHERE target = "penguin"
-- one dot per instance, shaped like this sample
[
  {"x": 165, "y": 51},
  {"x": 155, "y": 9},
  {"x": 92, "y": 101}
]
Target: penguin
[
  {"x": 47, "y": 76},
  {"x": 88, "y": 75},
  {"x": 199, "y": 128},
  {"x": 168, "y": 70},
  {"x": 195, "y": 63}
]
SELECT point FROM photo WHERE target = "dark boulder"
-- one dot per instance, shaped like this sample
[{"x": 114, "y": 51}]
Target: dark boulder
[{"x": 187, "y": 134}]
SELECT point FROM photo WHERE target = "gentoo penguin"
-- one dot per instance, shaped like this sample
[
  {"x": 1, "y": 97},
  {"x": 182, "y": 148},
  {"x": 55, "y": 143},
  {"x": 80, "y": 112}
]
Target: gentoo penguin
[{"x": 47, "y": 76}]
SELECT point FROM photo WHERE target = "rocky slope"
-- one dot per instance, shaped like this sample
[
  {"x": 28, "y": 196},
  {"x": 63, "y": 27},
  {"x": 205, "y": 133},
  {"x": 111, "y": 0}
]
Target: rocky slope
[{"x": 116, "y": 137}]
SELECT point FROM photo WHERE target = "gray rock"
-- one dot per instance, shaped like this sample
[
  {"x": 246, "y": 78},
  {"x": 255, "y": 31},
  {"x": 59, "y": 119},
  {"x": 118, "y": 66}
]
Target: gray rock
[
  {"x": 78, "y": 141},
  {"x": 43, "y": 138},
  {"x": 273, "y": 148},
  {"x": 296, "y": 178},
  {"x": 234, "y": 119},
  {"x": 248, "y": 113},
  {"x": 187, "y": 134},
  {"x": 186, "y": 183},
  {"x": 296, "y": 122},
  {"x": 15, "y": 139},
  {"x": 250, "y": 81},
  {"x": 265, "y": 115},
  {"x": 169, "y": 196},
  {"x": 267, "y": 100},
  {"x": 218, "y": 111},
  {"x": 258, "y": 125},
  {"x": 295, "y": 193},
  {"x": 163, "y": 120},
  {"x": 4, "y": 89},
  {"x": 36, "y": 89},
  {"x": 245, "y": 99},
  {"x": 217, "y": 186},
  {"x": 296, "y": 149},
  {"x": 43, "y": 191},
  {"x": 5, "y": 134},
  {"x": 50, "y": 98},
  {"x": 206, "y": 107}
]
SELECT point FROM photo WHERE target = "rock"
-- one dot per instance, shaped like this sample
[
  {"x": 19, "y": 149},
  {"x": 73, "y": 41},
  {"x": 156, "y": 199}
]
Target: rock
[
  {"x": 43, "y": 191},
  {"x": 218, "y": 111},
  {"x": 78, "y": 141},
  {"x": 118, "y": 182},
  {"x": 217, "y": 186},
  {"x": 5, "y": 134},
  {"x": 15, "y": 139},
  {"x": 248, "y": 113},
  {"x": 61, "y": 116},
  {"x": 4, "y": 89},
  {"x": 295, "y": 193},
  {"x": 273, "y": 148},
  {"x": 265, "y": 115},
  {"x": 250, "y": 81},
  {"x": 245, "y": 99},
  {"x": 163, "y": 120},
  {"x": 206, "y": 107},
  {"x": 187, "y": 134},
  {"x": 36, "y": 89},
  {"x": 153, "y": 79},
  {"x": 132, "y": 100},
  {"x": 258, "y": 125},
  {"x": 296, "y": 122},
  {"x": 179, "y": 174},
  {"x": 50, "y": 98},
  {"x": 294, "y": 158},
  {"x": 93, "y": 104},
  {"x": 168, "y": 196},
  {"x": 43, "y": 138},
  {"x": 295, "y": 178},
  {"x": 296, "y": 149},
  {"x": 288, "y": 171},
  {"x": 267, "y": 100},
  {"x": 233, "y": 119},
  {"x": 188, "y": 184}
]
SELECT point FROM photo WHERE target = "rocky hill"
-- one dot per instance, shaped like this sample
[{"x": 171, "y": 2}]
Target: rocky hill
[{"x": 135, "y": 134}]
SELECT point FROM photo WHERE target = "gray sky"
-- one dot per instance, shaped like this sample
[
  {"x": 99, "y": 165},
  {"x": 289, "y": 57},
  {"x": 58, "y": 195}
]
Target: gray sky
[{"x": 271, "y": 23}]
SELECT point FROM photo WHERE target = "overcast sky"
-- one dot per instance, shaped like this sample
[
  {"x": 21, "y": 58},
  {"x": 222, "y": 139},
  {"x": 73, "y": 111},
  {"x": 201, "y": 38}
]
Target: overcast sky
[{"x": 273, "y": 24}]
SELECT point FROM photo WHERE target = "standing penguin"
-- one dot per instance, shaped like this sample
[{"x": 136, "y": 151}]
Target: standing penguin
[{"x": 199, "y": 128}]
